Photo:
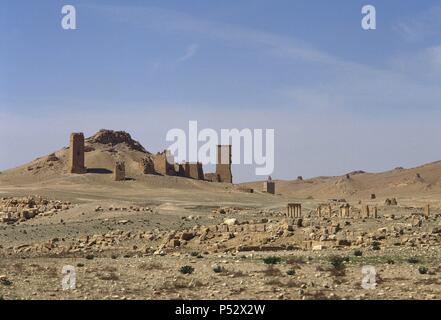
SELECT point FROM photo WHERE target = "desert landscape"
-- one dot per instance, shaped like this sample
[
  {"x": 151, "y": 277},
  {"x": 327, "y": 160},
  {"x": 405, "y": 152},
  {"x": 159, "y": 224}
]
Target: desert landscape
[{"x": 134, "y": 226}]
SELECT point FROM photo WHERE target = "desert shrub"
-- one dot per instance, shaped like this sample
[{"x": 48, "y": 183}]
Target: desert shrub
[
  {"x": 376, "y": 245},
  {"x": 338, "y": 267},
  {"x": 423, "y": 270},
  {"x": 358, "y": 253},
  {"x": 413, "y": 260},
  {"x": 186, "y": 270},
  {"x": 337, "y": 262},
  {"x": 390, "y": 261},
  {"x": 5, "y": 282},
  {"x": 291, "y": 272},
  {"x": 272, "y": 260}
]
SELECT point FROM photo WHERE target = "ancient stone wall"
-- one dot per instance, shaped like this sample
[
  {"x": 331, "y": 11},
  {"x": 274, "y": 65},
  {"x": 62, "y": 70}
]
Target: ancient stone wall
[
  {"x": 213, "y": 177},
  {"x": 164, "y": 164},
  {"x": 147, "y": 166},
  {"x": 194, "y": 170}
]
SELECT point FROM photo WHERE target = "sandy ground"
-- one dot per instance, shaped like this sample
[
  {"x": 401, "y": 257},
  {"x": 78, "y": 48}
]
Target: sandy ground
[
  {"x": 137, "y": 264},
  {"x": 164, "y": 237}
]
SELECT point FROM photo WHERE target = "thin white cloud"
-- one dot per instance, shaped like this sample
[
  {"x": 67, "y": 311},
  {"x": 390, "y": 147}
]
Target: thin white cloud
[
  {"x": 161, "y": 20},
  {"x": 420, "y": 26},
  {"x": 190, "y": 51}
]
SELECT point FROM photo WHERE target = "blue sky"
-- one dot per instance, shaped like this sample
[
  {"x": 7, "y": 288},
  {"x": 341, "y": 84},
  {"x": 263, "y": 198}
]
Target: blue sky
[{"x": 339, "y": 98}]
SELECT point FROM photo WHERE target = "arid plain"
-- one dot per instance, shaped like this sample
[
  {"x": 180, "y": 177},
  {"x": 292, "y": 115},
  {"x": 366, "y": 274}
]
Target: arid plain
[{"x": 154, "y": 236}]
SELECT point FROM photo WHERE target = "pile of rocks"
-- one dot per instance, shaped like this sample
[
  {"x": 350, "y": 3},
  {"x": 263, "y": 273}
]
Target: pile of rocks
[
  {"x": 21, "y": 209},
  {"x": 128, "y": 209}
]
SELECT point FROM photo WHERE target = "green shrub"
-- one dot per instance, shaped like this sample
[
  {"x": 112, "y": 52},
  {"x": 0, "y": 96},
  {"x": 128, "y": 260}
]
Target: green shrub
[
  {"x": 5, "y": 282},
  {"x": 423, "y": 270},
  {"x": 291, "y": 272},
  {"x": 337, "y": 262},
  {"x": 413, "y": 260},
  {"x": 218, "y": 269},
  {"x": 186, "y": 270},
  {"x": 376, "y": 245},
  {"x": 338, "y": 267},
  {"x": 272, "y": 260},
  {"x": 358, "y": 253}
]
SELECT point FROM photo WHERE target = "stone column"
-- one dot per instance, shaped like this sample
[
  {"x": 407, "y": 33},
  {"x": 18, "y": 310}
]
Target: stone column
[{"x": 427, "y": 211}]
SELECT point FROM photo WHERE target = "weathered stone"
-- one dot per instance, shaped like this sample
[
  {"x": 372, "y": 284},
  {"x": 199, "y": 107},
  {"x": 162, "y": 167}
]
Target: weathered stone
[
  {"x": 76, "y": 154},
  {"x": 223, "y": 166}
]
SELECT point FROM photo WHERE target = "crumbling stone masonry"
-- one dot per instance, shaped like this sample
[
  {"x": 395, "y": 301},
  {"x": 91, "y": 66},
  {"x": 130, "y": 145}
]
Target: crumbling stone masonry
[
  {"x": 375, "y": 213},
  {"x": 180, "y": 169},
  {"x": 269, "y": 186},
  {"x": 427, "y": 211},
  {"x": 147, "y": 166},
  {"x": 213, "y": 177},
  {"x": 366, "y": 211},
  {"x": 76, "y": 153},
  {"x": 194, "y": 170},
  {"x": 163, "y": 163},
  {"x": 319, "y": 211},
  {"x": 223, "y": 166},
  {"x": 294, "y": 210},
  {"x": 345, "y": 210},
  {"x": 119, "y": 174}
]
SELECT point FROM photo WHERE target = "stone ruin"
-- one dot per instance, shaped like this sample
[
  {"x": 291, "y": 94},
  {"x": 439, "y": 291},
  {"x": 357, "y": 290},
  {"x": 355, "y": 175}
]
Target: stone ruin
[
  {"x": 194, "y": 170},
  {"x": 367, "y": 213},
  {"x": 119, "y": 174},
  {"x": 427, "y": 211},
  {"x": 345, "y": 210},
  {"x": 223, "y": 166},
  {"x": 211, "y": 176},
  {"x": 163, "y": 163},
  {"x": 76, "y": 153},
  {"x": 391, "y": 202},
  {"x": 320, "y": 211},
  {"x": 294, "y": 210},
  {"x": 21, "y": 209},
  {"x": 269, "y": 186}
]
